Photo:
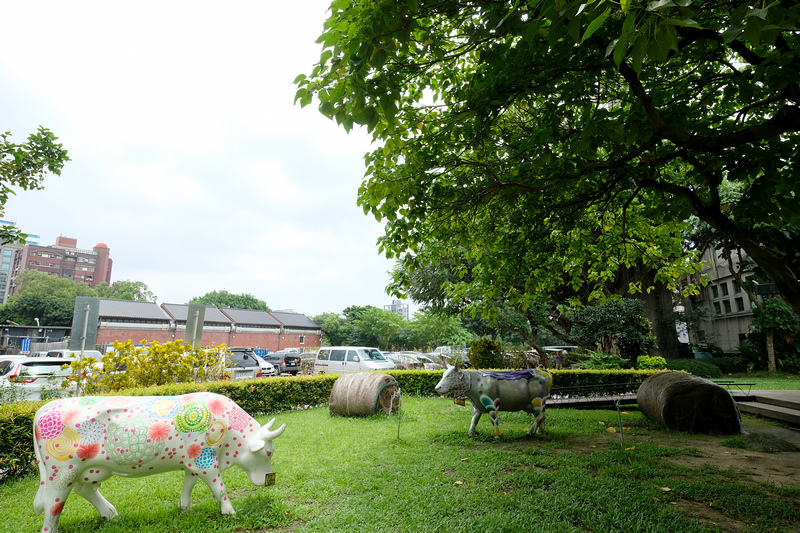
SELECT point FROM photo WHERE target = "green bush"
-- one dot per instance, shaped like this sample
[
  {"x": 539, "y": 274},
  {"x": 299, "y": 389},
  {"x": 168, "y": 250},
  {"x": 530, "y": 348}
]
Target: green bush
[
  {"x": 486, "y": 353},
  {"x": 581, "y": 378},
  {"x": 731, "y": 364},
  {"x": 602, "y": 361},
  {"x": 17, "y": 458},
  {"x": 698, "y": 367},
  {"x": 645, "y": 361}
]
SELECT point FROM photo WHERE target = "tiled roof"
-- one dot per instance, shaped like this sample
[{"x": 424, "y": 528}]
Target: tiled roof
[
  {"x": 297, "y": 320},
  {"x": 250, "y": 317},
  {"x": 131, "y": 309},
  {"x": 180, "y": 312}
]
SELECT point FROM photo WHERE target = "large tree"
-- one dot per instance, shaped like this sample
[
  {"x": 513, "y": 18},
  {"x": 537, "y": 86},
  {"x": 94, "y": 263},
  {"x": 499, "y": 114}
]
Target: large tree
[
  {"x": 25, "y": 166},
  {"x": 126, "y": 290},
  {"x": 569, "y": 139},
  {"x": 224, "y": 298}
]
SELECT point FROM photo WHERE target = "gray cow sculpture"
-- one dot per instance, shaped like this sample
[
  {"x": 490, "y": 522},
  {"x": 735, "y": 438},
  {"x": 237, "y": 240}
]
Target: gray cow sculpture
[
  {"x": 81, "y": 442},
  {"x": 493, "y": 391}
]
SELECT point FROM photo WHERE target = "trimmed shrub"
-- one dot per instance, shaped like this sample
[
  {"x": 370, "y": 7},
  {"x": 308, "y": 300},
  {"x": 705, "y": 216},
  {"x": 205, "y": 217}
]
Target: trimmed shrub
[
  {"x": 698, "y": 367},
  {"x": 731, "y": 364},
  {"x": 602, "y": 361},
  {"x": 17, "y": 458},
  {"x": 645, "y": 361}
]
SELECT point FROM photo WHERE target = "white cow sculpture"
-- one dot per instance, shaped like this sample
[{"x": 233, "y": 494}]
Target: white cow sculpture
[
  {"x": 493, "y": 391},
  {"x": 81, "y": 442}
]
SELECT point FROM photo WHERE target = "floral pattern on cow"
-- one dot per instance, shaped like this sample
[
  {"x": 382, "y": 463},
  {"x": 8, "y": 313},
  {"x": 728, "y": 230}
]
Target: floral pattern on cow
[{"x": 81, "y": 442}]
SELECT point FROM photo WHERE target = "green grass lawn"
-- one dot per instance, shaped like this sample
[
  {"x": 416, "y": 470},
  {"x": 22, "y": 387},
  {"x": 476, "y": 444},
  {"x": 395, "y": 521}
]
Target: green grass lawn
[
  {"x": 355, "y": 474},
  {"x": 769, "y": 380}
]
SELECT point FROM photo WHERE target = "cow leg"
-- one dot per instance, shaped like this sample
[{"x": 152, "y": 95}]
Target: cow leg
[
  {"x": 538, "y": 412},
  {"x": 91, "y": 493},
  {"x": 189, "y": 481},
  {"x": 495, "y": 422},
  {"x": 476, "y": 415},
  {"x": 54, "y": 501},
  {"x": 217, "y": 486}
]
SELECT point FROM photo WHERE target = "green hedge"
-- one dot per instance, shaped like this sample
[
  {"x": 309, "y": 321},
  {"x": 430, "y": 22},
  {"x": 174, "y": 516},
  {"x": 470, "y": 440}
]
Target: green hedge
[
  {"x": 698, "y": 367},
  {"x": 258, "y": 397}
]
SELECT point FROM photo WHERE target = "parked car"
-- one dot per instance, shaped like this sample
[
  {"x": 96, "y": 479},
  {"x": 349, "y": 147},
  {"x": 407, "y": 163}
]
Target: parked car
[
  {"x": 244, "y": 364},
  {"x": 288, "y": 363},
  {"x": 343, "y": 359},
  {"x": 36, "y": 378},
  {"x": 428, "y": 363},
  {"x": 75, "y": 354}
]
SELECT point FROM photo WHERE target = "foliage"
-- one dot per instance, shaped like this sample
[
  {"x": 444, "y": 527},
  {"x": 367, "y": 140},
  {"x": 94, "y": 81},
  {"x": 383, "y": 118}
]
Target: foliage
[
  {"x": 645, "y": 362},
  {"x": 487, "y": 353},
  {"x": 581, "y": 378},
  {"x": 25, "y": 166},
  {"x": 698, "y": 367},
  {"x": 126, "y": 290},
  {"x": 776, "y": 315},
  {"x": 223, "y": 299},
  {"x": 615, "y": 325},
  {"x": 602, "y": 361},
  {"x": 17, "y": 458},
  {"x": 52, "y": 299},
  {"x": 438, "y": 329},
  {"x": 129, "y": 366},
  {"x": 731, "y": 364},
  {"x": 566, "y": 137},
  {"x": 374, "y": 323},
  {"x": 334, "y": 329}
]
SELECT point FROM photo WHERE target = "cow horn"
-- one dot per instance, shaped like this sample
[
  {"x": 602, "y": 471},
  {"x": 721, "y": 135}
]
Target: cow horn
[{"x": 269, "y": 435}]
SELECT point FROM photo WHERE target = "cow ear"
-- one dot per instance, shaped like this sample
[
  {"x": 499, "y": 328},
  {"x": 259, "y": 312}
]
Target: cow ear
[{"x": 257, "y": 444}]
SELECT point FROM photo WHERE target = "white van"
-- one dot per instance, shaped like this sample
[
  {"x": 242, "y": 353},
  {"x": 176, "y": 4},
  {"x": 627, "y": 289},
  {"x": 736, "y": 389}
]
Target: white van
[{"x": 344, "y": 359}]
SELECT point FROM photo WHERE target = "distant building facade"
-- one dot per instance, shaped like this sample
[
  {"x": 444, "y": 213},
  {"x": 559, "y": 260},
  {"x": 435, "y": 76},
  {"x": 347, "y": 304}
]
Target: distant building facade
[
  {"x": 146, "y": 322},
  {"x": 729, "y": 309},
  {"x": 65, "y": 260},
  {"x": 397, "y": 307},
  {"x": 7, "y": 252}
]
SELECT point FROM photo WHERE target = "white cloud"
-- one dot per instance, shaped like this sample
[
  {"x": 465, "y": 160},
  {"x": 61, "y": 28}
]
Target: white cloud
[{"x": 189, "y": 158}]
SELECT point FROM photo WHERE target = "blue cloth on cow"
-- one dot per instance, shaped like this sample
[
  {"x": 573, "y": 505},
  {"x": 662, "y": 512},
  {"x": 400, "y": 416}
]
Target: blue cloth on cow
[{"x": 509, "y": 375}]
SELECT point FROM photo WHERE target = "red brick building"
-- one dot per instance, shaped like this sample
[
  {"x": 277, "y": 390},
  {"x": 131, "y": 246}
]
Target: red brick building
[
  {"x": 122, "y": 320},
  {"x": 65, "y": 260}
]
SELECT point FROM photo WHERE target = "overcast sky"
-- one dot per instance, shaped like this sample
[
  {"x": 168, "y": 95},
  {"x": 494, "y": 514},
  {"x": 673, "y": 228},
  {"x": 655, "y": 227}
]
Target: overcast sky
[{"x": 189, "y": 158}]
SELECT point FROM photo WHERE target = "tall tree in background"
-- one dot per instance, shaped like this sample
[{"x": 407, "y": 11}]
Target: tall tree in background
[
  {"x": 25, "y": 166},
  {"x": 224, "y": 298},
  {"x": 126, "y": 290},
  {"x": 52, "y": 299},
  {"x": 566, "y": 139}
]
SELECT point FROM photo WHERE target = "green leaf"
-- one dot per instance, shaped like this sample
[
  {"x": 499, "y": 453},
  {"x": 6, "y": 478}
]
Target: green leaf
[{"x": 595, "y": 24}]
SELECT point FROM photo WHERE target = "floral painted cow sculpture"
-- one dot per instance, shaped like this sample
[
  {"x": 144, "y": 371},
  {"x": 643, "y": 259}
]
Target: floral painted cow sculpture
[
  {"x": 81, "y": 442},
  {"x": 493, "y": 391}
]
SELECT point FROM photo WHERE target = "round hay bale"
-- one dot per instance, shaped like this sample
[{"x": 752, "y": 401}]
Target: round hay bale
[
  {"x": 685, "y": 402},
  {"x": 363, "y": 394}
]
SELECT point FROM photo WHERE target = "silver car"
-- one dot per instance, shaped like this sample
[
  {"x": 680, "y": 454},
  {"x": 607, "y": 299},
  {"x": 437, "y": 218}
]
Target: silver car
[{"x": 35, "y": 378}]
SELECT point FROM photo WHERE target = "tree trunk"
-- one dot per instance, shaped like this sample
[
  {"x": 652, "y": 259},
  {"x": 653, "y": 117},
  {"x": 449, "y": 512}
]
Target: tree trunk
[{"x": 771, "y": 350}]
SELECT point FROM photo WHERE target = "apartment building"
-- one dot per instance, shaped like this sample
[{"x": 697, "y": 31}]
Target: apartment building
[{"x": 65, "y": 260}]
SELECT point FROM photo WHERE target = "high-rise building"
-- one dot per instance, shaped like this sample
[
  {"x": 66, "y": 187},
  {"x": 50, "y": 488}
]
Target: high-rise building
[
  {"x": 397, "y": 307},
  {"x": 7, "y": 251},
  {"x": 65, "y": 260}
]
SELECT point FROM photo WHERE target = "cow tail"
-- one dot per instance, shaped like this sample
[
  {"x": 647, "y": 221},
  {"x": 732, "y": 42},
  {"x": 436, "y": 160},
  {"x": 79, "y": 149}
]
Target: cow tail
[{"x": 38, "y": 500}]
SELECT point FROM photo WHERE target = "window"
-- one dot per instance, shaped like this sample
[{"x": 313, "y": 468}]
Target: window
[
  {"x": 302, "y": 339},
  {"x": 717, "y": 309},
  {"x": 740, "y": 305},
  {"x": 727, "y": 305},
  {"x": 736, "y": 287},
  {"x": 337, "y": 355},
  {"x": 323, "y": 355},
  {"x": 352, "y": 355},
  {"x": 724, "y": 286},
  {"x": 714, "y": 291}
]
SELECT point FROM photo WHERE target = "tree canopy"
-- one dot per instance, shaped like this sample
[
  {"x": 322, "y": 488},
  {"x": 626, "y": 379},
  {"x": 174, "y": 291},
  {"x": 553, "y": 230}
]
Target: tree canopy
[
  {"x": 52, "y": 299},
  {"x": 25, "y": 166},
  {"x": 224, "y": 298},
  {"x": 568, "y": 140}
]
